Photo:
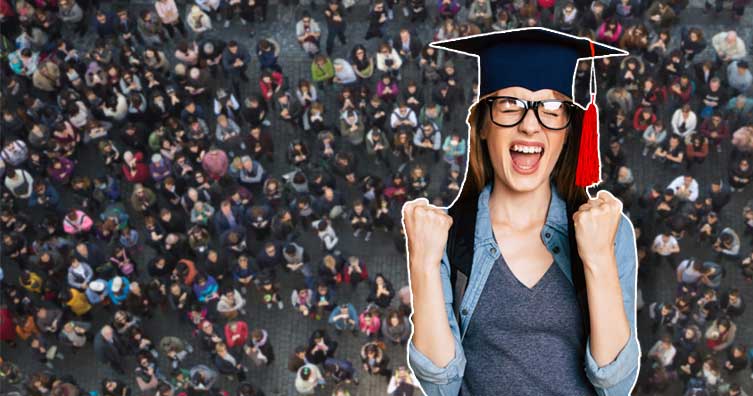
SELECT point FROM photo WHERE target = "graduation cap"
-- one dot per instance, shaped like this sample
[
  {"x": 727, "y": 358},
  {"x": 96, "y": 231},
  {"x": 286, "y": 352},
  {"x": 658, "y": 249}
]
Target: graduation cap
[{"x": 539, "y": 58}]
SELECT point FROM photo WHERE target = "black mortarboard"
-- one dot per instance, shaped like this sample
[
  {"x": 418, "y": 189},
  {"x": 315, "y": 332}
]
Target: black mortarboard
[{"x": 533, "y": 58}]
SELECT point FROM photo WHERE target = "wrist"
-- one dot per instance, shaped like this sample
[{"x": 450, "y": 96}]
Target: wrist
[
  {"x": 423, "y": 272},
  {"x": 598, "y": 263}
]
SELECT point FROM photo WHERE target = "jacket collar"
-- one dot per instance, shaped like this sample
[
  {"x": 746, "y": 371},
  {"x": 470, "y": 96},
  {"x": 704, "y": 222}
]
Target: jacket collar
[{"x": 556, "y": 216}]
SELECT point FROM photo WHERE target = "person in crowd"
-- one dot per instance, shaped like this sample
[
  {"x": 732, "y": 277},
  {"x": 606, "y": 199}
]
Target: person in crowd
[
  {"x": 728, "y": 46},
  {"x": 308, "y": 34}
]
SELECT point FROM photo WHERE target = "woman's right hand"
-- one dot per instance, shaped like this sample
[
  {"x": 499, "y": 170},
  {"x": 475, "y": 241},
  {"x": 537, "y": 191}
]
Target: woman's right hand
[{"x": 426, "y": 229}]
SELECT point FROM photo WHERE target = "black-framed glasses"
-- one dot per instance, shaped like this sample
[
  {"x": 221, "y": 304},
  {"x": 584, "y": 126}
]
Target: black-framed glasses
[{"x": 508, "y": 111}]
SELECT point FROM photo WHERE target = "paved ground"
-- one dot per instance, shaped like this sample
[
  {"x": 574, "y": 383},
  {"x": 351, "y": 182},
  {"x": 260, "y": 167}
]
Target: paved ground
[{"x": 288, "y": 330}]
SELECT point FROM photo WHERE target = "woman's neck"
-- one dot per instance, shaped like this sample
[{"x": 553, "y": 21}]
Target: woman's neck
[{"x": 519, "y": 210}]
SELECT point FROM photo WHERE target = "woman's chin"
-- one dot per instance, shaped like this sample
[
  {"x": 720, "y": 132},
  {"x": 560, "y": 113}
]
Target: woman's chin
[{"x": 524, "y": 179}]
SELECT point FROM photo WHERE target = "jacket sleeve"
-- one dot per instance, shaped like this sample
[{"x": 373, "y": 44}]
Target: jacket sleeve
[
  {"x": 434, "y": 380},
  {"x": 618, "y": 377},
  {"x": 417, "y": 135},
  {"x": 437, "y": 140}
]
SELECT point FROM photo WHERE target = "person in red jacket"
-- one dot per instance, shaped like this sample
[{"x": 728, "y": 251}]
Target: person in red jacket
[
  {"x": 186, "y": 269},
  {"x": 355, "y": 271},
  {"x": 134, "y": 169},
  {"x": 7, "y": 326},
  {"x": 643, "y": 117},
  {"x": 681, "y": 90},
  {"x": 270, "y": 83},
  {"x": 697, "y": 151},
  {"x": 236, "y": 335},
  {"x": 652, "y": 94},
  {"x": 716, "y": 130}
]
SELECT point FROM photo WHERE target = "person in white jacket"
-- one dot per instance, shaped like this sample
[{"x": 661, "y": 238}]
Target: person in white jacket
[
  {"x": 198, "y": 21},
  {"x": 308, "y": 378},
  {"x": 685, "y": 188},
  {"x": 344, "y": 73},
  {"x": 728, "y": 46},
  {"x": 326, "y": 234},
  {"x": 19, "y": 182},
  {"x": 684, "y": 122},
  {"x": 403, "y": 115},
  {"x": 663, "y": 351},
  {"x": 231, "y": 304},
  {"x": 403, "y": 381},
  {"x": 388, "y": 60}
]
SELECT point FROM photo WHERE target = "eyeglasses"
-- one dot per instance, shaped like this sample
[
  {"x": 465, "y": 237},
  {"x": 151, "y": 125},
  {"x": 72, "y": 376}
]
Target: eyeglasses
[{"x": 509, "y": 111}]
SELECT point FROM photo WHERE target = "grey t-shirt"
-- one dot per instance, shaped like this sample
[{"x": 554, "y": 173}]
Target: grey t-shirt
[{"x": 523, "y": 341}]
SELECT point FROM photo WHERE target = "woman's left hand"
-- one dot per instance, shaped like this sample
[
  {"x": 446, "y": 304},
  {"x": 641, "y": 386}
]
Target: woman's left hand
[{"x": 596, "y": 223}]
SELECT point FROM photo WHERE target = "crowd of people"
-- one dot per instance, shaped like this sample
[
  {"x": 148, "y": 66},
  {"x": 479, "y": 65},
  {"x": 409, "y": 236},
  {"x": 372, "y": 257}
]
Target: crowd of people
[
  {"x": 682, "y": 106},
  {"x": 144, "y": 180}
]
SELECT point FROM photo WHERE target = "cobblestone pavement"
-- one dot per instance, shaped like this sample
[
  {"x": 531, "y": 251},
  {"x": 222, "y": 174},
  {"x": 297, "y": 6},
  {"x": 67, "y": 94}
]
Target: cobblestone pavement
[{"x": 286, "y": 328}]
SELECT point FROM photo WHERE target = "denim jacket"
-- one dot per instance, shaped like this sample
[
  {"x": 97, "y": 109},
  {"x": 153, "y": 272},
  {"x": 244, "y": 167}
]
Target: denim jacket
[{"x": 615, "y": 379}]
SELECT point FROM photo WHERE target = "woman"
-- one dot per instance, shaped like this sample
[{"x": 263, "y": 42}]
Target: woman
[
  {"x": 260, "y": 349},
  {"x": 362, "y": 62},
  {"x": 692, "y": 43},
  {"x": 396, "y": 328},
  {"x": 429, "y": 64},
  {"x": 374, "y": 359},
  {"x": 306, "y": 93},
  {"x": 609, "y": 32},
  {"x": 602, "y": 354},
  {"x": 388, "y": 61},
  {"x": 146, "y": 374},
  {"x": 382, "y": 292},
  {"x": 653, "y": 136}
]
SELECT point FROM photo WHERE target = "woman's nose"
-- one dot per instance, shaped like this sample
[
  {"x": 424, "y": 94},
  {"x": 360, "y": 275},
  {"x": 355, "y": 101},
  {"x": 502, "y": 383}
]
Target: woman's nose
[{"x": 529, "y": 124}]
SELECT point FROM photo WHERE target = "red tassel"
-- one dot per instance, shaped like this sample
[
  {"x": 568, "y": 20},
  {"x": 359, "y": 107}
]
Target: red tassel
[{"x": 589, "y": 167}]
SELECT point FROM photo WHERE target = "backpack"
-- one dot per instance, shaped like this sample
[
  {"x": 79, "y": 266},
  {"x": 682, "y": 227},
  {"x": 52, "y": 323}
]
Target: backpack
[
  {"x": 22, "y": 188},
  {"x": 460, "y": 246}
]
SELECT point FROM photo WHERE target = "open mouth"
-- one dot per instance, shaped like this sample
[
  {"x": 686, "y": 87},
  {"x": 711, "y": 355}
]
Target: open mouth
[{"x": 525, "y": 157}]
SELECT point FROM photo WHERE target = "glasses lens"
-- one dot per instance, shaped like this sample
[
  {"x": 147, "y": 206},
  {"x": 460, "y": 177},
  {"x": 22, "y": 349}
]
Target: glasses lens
[
  {"x": 554, "y": 114},
  {"x": 508, "y": 111}
]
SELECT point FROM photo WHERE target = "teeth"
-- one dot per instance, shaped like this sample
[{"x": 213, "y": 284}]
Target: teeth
[{"x": 527, "y": 149}]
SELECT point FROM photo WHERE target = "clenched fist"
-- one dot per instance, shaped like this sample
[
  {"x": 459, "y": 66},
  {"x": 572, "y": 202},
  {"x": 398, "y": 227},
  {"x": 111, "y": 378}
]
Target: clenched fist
[
  {"x": 426, "y": 229},
  {"x": 596, "y": 223}
]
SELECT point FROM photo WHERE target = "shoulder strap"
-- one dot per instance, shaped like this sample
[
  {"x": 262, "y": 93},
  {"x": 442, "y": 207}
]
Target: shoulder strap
[
  {"x": 578, "y": 274},
  {"x": 460, "y": 243}
]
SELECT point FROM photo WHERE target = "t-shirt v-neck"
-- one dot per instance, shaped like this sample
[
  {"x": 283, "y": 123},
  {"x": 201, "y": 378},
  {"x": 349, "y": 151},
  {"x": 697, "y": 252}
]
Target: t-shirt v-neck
[
  {"x": 508, "y": 271},
  {"x": 540, "y": 283}
]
